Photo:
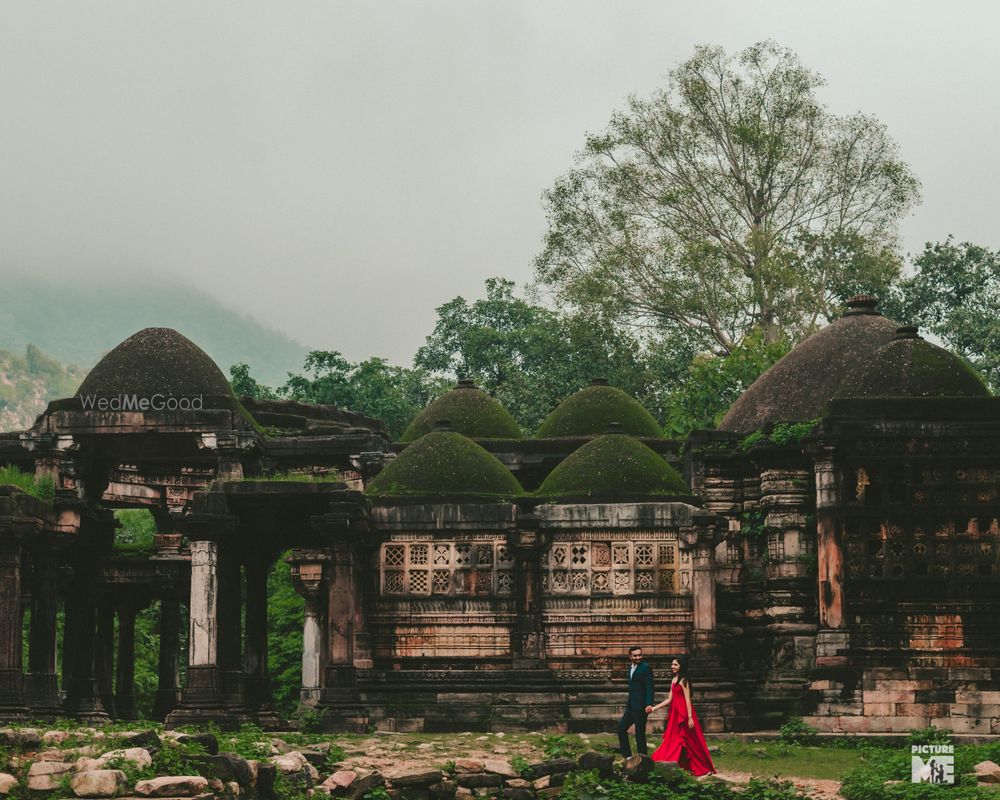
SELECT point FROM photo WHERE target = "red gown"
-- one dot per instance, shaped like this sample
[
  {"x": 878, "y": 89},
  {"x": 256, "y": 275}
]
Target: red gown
[{"x": 682, "y": 744}]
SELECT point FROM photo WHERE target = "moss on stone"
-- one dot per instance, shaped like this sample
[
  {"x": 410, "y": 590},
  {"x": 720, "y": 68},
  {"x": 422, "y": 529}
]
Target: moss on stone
[
  {"x": 910, "y": 366},
  {"x": 470, "y": 411},
  {"x": 591, "y": 410},
  {"x": 613, "y": 464},
  {"x": 445, "y": 463},
  {"x": 155, "y": 361}
]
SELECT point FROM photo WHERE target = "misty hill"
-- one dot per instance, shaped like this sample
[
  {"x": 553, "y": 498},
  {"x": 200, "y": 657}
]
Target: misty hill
[
  {"x": 28, "y": 382},
  {"x": 77, "y": 320}
]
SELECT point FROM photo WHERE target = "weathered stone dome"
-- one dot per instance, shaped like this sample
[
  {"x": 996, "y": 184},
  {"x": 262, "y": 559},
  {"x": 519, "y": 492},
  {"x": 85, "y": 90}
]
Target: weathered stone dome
[
  {"x": 445, "y": 463},
  {"x": 470, "y": 411},
  {"x": 156, "y": 361},
  {"x": 591, "y": 410},
  {"x": 910, "y": 366},
  {"x": 613, "y": 466},
  {"x": 803, "y": 381}
]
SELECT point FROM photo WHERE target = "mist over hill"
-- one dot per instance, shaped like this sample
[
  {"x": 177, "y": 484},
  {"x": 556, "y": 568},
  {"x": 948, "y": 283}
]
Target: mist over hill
[{"x": 77, "y": 320}]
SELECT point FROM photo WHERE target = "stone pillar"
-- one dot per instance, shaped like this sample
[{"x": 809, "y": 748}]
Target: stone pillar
[
  {"x": 257, "y": 678},
  {"x": 167, "y": 539},
  {"x": 104, "y": 654},
  {"x": 830, "y": 548},
  {"x": 528, "y": 636},
  {"x": 82, "y": 700},
  {"x": 170, "y": 628},
  {"x": 201, "y": 699},
  {"x": 125, "y": 673},
  {"x": 309, "y": 575},
  {"x": 41, "y": 685},
  {"x": 12, "y": 704},
  {"x": 703, "y": 586},
  {"x": 230, "y": 634}
]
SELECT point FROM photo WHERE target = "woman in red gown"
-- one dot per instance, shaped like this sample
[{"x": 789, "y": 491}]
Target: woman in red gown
[{"x": 683, "y": 741}]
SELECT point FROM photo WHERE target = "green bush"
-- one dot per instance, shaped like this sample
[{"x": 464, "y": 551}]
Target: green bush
[{"x": 795, "y": 731}]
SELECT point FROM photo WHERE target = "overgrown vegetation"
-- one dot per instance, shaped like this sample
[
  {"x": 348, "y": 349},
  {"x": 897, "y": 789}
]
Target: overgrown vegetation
[{"x": 43, "y": 488}]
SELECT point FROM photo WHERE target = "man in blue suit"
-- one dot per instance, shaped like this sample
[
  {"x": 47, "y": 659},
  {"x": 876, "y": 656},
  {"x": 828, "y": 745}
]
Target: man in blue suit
[{"x": 639, "y": 705}]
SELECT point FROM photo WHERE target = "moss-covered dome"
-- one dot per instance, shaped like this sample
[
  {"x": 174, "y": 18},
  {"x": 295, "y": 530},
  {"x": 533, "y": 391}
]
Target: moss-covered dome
[
  {"x": 613, "y": 466},
  {"x": 910, "y": 366},
  {"x": 591, "y": 410},
  {"x": 470, "y": 411},
  {"x": 445, "y": 463},
  {"x": 156, "y": 361},
  {"x": 798, "y": 387}
]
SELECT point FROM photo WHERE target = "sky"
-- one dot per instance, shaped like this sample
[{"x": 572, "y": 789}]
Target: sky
[{"x": 340, "y": 169}]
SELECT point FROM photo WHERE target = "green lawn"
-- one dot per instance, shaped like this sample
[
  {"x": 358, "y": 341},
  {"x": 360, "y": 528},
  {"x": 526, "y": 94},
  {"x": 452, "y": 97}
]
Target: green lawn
[{"x": 776, "y": 758}]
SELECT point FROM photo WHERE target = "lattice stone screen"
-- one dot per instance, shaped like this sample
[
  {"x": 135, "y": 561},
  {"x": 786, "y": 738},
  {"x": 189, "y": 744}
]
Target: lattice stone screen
[
  {"x": 477, "y": 566},
  {"x": 613, "y": 565}
]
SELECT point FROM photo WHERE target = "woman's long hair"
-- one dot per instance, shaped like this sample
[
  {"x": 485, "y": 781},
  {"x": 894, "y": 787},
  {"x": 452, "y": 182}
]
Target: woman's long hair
[{"x": 682, "y": 672}]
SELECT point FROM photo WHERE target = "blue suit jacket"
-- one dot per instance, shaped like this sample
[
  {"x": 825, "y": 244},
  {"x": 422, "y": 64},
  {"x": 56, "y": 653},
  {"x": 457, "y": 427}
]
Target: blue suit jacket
[{"x": 640, "y": 688}]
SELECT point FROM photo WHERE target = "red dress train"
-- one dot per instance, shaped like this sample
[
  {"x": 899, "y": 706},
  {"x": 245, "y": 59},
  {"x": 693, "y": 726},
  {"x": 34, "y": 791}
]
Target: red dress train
[{"x": 682, "y": 744}]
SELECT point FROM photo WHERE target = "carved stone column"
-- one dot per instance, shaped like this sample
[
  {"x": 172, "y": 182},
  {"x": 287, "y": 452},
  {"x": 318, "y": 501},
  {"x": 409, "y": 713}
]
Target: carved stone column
[
  {"x": 41, "y": 685},
  {"x": 104, "y": 654},
  {"x": 228, "y": 625},
  {"x": 257, "y": 679},
  {"x": 82, "y": 699},
  {"x": 528, "y": 635},
  {"x": 309, "y": 576},
  {"x": 201, "y": 698},
  {"x": 12, "y": 704},
  {"x": 125, "y": 672},
  {"x": 167, "y": 674}
]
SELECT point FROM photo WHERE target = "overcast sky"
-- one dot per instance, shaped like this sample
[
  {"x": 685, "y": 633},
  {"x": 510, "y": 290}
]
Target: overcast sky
[{"x": 339, "y": 169}]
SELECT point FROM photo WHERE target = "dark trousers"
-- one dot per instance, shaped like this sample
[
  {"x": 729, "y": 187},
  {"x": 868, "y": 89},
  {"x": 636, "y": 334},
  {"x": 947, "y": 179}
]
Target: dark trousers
[{"x": 638, "y": 718}]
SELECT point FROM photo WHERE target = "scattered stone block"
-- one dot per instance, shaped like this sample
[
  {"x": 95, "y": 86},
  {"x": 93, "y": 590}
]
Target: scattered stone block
[
  {"x": 604, "y": 763},
  {"x": 137, "y": 755},
  {"x": 499, "y": 767},
  {"x": 987, "y": 772},
  {"x": 44, "y": 776},
  {"x": 467, "y": 765},
  {"x": 636, "y": 768},
  {"x": 7, "y": 783},
  {"x": 415, "y": 777},
  {"x": 98, "y": 783}
]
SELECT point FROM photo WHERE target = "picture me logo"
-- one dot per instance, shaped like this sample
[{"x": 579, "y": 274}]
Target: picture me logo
[
  {"x": 939, "y": 766},
  {"x": 135, "y": 402}
]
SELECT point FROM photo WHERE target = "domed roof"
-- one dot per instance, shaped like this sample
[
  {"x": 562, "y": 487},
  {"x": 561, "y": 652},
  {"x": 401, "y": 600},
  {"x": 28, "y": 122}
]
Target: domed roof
[
  {"x": 444, "y": 462},
  {"x": 591, "y": 410},
  {"x": 802, "y": 382},
  {"x": 910, "y": 366},
  {"x": 614, "y": 465},
  {"x": 470, "y": 411},
  {"x": 155, "y": 361}
]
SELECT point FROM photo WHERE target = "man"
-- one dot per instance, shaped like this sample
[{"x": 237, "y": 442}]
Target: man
[{"x": 639, "y": 704}]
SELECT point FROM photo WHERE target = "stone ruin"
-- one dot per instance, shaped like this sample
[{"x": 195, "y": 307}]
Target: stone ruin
[{"x": 830, "y": 551}]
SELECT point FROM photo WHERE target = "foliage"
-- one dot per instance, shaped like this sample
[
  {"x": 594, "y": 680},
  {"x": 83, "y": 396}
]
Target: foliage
[
  {"x": 43, "y": 488},
  {"x": 782, "y": 434},
  {"x": 373, "y": 387},
  {"x": 136, "y": 529},
  {"x": 928, "y": 735},
  {"x": 728, "y": 201},
  {"x": 676, "y": 785},
  {"x": 795, "y": 731},
  {"x": 713, "y": 383},
  {"x": 285, "y": 617},
  {"x": 530, "y": 358},
  {"x": 560, "y": 746},
  {"x": 954, "y": 293},
  {"x": 377, "y": 794}
]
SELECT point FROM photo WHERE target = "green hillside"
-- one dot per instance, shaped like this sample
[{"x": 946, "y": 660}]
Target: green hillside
[
  {"x": 76, "y": 321},
  {"x": 28, "y": 382}
]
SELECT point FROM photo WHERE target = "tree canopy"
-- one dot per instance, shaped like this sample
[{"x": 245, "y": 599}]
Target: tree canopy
[
  {"x": 954, "y": 293},
  {"x": 728, "y": 201}
]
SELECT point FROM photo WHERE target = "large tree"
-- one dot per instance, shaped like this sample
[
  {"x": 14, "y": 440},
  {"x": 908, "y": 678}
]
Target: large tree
[
  {"x": 731, "y": 200},
  {"x": 531, "y": 357},
  {"x": 954, "y": 293}
]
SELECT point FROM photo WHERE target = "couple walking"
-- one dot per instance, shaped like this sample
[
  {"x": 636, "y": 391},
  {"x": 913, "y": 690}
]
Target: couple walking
[{"x": 683, "y": 741}]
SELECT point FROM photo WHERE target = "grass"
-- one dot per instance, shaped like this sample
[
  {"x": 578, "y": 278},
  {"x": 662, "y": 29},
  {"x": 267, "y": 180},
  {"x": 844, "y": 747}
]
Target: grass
[{"x": 765, "y": 759}]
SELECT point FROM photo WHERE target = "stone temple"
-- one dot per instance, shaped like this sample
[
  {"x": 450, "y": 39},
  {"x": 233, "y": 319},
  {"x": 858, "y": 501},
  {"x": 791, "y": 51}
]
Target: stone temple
[{"x": 831, "y": 551}]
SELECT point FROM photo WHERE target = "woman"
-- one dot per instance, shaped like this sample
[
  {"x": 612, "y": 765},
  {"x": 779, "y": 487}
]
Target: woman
[{"x": 683, "y": 741}]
